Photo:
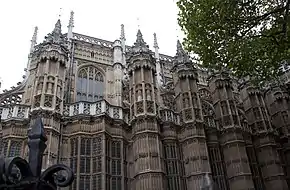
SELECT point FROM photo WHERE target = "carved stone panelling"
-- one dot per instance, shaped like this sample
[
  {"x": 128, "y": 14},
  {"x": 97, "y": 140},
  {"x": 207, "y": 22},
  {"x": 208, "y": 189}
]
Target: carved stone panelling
[
  {"x": 116, "y": 114},
  {"x": 140, "y": 108},
  {"x": 150, "y": 106},
  {"x": 98, "y": 108}
]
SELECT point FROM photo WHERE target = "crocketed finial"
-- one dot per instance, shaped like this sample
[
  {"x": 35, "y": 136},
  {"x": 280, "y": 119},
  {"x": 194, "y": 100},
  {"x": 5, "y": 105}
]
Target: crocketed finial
[
  {"x": 140, "y": 45},
  {"x": 34, "y": 39},
  {"x": 155, "y": 41},
  {"x": 71, "y": 19},
  {"x": 181, "y": 56},
  {"x": 122, "y": 37},
  {"x": 55, "y": 36}
]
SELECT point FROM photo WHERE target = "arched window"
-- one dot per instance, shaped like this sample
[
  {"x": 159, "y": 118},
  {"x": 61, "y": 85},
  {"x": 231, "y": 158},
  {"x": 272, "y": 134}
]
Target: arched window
[{"x": 90, "y": 84}]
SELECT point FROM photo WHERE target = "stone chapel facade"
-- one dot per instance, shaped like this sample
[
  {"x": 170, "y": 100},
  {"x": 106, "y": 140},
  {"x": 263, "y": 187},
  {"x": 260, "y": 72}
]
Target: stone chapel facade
[{"x": 127, "y": 118}]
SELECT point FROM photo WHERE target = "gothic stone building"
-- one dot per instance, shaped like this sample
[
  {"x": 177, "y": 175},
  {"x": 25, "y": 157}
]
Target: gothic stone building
[{"x": 127, "y": 118}]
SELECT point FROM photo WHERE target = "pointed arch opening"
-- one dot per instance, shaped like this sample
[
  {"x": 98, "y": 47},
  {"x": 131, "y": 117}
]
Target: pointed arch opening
[{"x": 90, "y": 84}]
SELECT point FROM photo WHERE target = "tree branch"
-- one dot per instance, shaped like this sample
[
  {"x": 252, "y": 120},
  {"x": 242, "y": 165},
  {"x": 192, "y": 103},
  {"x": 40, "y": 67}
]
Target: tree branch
[
  {"x": 277, "y": 10},
  {"x": 284, "y": 27},
  {"x": 255, "y": 21}
]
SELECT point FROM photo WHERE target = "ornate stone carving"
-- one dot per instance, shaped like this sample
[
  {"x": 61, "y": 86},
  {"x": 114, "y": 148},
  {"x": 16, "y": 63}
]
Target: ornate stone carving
[
  {"x": 188, "y": 114},
  {"x": 98, "y": 108},
  {"x": 116, "y": 114},
  {"x": 66, "y": 110},
  {"x": 107, "y": 109},
  {"x": 48, "y": 101},
  {"x": 140, "y": 108},
  {"x": 76, "y": 109},
  {"x": 87, "y": 108},
  {"x": 21, "y": 112},
  {"x": 150, "y": 106}
]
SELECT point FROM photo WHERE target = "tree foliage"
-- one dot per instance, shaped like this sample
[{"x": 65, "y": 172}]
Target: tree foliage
[{"x": 249, "y": 37}]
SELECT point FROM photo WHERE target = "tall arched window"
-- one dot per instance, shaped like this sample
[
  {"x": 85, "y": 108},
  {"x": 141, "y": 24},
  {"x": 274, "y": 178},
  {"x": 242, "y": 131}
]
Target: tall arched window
[{"x": 90, "y": 84}]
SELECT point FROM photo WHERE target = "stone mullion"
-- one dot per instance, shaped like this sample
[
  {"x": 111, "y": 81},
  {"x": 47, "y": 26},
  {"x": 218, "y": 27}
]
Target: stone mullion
[
  {"x": 153, "y": 94},
  {"x": 134, "y": 96},
  {"x": 43, "y": 90},
  {"x": 104, "y": 161},
  {"x": 78, "y": 163},
  {"x": 8, "y": 147},
  {"x": 55, "y": 85},
  {"x": 230, "y": 112},
  {"x": 213, "y": 143},
  {"x": 174, "y": 176},
  {"x": 35, "y": 91},
  {"x": 91, "y": 163},
  {"x": 257, "y": 178}
]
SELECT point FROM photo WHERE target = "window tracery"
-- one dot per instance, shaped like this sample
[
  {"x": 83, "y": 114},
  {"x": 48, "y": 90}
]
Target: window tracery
[
  {"x": 15, "y": 148},
  {"x": 90, "y": 84},
  {"x": 217, "y": 166},
  {"x": 172, "y": 166},
  {"x": 116, "y": 164},
  {"x": 73, "y": 158},
  {"x": 11, "y": 99},
  {"x": 208, "y": 113}
]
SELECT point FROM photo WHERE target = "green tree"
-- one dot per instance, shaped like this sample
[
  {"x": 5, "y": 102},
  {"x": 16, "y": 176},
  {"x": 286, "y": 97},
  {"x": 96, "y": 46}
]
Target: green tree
[{"x": 249, "y": 37}]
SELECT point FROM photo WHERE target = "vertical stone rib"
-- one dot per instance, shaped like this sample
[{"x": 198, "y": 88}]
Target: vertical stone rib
[
  {"x": 231, "y": 137},
  {"x": 277, "y": 102},
  {"x": 264, "y": 139},
  {"x": 192, "y": 136},
  {"x": 148, "y": 174}
]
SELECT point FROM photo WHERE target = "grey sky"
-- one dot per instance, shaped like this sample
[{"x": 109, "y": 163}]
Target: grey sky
[{"x": 96, "y": 18}]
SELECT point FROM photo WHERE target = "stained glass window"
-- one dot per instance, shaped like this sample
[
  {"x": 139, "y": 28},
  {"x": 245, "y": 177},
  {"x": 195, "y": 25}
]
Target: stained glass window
[{"x": 90, "y": 84}]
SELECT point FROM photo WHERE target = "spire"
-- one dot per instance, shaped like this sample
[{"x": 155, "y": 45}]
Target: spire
[
  {"x": 122, "y": 37},
  {"x": 57, "y": 27},
  {"x": 181, "y": 56},
  {"x": 156, "y": 47},
  {"x": 140, "y": 45},
  {"x": 158, "y": 67},
  {"x": 179, "y": 49},
  {"x": 139, "y": 37},
  {"x": 70, "y": 26},
  {"x": 55, "y": 36},
  {"x": 155, "y": 41},
  {"x": 34, "y": 39}
]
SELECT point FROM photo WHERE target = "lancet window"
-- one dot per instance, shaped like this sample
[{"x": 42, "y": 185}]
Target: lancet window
[
  {"x": 217, "y": 167},
  {"x": 15, "y": 148},
  {"x": 73, "y": 158},
  {"x": 116, "y": 165},
  {"x": 172, "y": 166},
  {"x": 85, "y": 163},
  {"x": 90, "y": 84}
]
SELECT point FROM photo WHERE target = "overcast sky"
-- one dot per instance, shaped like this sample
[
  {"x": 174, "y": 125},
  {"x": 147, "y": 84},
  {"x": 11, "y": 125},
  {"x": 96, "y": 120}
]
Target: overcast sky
[{"x": 96, "y": 18}]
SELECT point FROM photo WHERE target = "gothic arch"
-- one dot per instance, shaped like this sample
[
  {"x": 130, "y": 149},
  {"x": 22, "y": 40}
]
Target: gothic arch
[
  {"x": 207, "y": 108},
  {"x": 209, "y": 114},
  {"x": 91, "y": 65},
  {"x": 90, "y": 83}
]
